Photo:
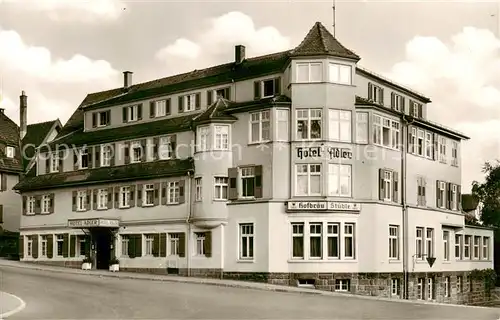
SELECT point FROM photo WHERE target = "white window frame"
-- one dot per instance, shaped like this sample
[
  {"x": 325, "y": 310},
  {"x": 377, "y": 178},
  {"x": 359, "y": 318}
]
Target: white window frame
[
  {"x": 339, "y": 73},
  {"x": 263, "y": 86},
  {"x": 340, "y": 175},
  {"x": 148, "y": 244},
  {"x": 174, "y": 242},
  {"x": 420, "y": 289},
  {"x": 54, "y": 162},
  {"x": 485, "y": 248},
  {"x": 282, "y": 117},
  {"x": 80, "y": 246},
  {"x": 308, "y": 66},
  {"x": 246, "y": 173},
  {"x": 467, "y": 247},
  {"x": 429, "y": 242},
  {"x": 477, "y": 247},
  {"x": 124, "y": 201},
  {"x": 459, "y": 284},
  {"x": 398, "y": 102},
  {"x": 102, "y": 199},
  {"x": 430, "y": 289},
  {"x": 189, "y": 102},
  {"x": 105, "y": 156},
  {"x": 198, "y": 189},
  {"x": 429, "y": 145},
  {"x": 447, "y": 287},
  {"x": 165, "y": 148},
  {"x": 315, "y": 232},
  {"x": 395, "y": 287},
  {"x": 261, "y": 121},
  {"x": 459, "y": 246},
  {"x": 59, "y": 239},
  {"x": 136, "y": 145},
  {"x": 45, "y": 204},
  {"x": 298, "y": 231},
  {"x": 376, "y": 93},
  {"x": 221, "y": 138},
  {"x": 419, "y": 243},
  {"x": 446, "y": 245},
  {"x": 125, "y": 240},
  {"x": 309, "y": 116},
  {"x": 414, "y": 107},
  {"x": 454, "y": 153},
  {"x": 311, "y": 170},
  {"x": 203, "y": 134},
  {"x": 148, "y": 190},
  {"x": 420, "y": 142},
  {"x": 81, "y": 154},
  {"x": 221, "y": 184},
  {"x": 381, "y": 123},
  {"x": 393, "y": 242},
  {"x": 442, "y": 142},
  {"x": 454, "y": 197},
  {"x": 362, "y": 129},
  {"x": 173, "y": 192},
  {"x": 30, "y": 205},
  {"x": 349, "y": 234},
  {"x": 200, "y": 243},
  {"x": 388, "y": 188},
  {"x": 81, "y": 200},
  {"x": 43, "y": 246},
  {"x": 132, "y": 113},
  {"x": 29, "y": 246},
  {"x": 160, "y": 108},
  {"x": 247, "y": 241},
  {"x": 442, "y": 194},
  {"x": 10, "y": 152},
  {"x": 103, "y": 115},
  {"x": 333, "y": 232},
  {"x": 342, "y": 285},
  {"x": 340, "y": 125}
]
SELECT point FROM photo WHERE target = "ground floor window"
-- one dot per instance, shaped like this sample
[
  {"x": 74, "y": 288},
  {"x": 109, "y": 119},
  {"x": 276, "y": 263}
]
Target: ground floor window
[
  {"x": 430, "y": 289},
  {"x": 420, "y": 289},
  {"x": 80, "y": 246},
  {"x": 124, "y": 243},
  {"x": 395, "y": 287},
  {"x": 342, "y": 285},
  {"x": 43, "y": 246},
  {"x": 149, "y": 244},
  {"x": 246, "y": 241},
  {"x": 60, "y": 245},
  {"x": 174, "y": 244},
  {"x": 447, "y": 287},
  {"x": 200, "y": 243},
  {"x": 459, "y": 284},
  {"x": 29, "y": 247}
]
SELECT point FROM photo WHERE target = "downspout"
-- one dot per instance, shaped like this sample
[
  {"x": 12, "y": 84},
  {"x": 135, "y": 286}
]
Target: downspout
[
  {"x": 188, "y": 218},
  {"x": 404, "y": 205}
]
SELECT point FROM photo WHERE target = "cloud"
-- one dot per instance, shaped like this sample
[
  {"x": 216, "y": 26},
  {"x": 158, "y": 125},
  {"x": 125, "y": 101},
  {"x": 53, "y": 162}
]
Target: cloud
[
  {"x": 462, "y": 77},
  {"x": 215, "y": 45},
  {"x": 71, "y": 10}
]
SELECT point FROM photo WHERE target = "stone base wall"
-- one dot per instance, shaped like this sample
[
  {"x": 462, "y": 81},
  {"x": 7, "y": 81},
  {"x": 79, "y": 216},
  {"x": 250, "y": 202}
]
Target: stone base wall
[{"x": 66, "y": 264}]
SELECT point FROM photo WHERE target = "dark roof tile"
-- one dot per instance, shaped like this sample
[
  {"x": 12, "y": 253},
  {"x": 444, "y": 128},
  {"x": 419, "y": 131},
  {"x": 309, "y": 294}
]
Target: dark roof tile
[
  {"x": 216, "y": 112},
  {"x": 9, "y": 136}
]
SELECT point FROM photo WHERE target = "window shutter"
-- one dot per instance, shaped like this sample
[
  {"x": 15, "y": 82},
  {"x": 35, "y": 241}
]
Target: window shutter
[
  {"x": 403, "y": 104},
  {"x": 38, "y": 209},
  {"x": 182, "y": 190},
  {"x": 424, "y": 191},
  {"x": 198, "y": 101},
  {"x": 144, "y": 144},
  {"x": 25, "y": 198},
  {"x": 180, "y": 106},
  {"x": 232, "y": 174},
  {"x": 459, "y": 197},
  {"x": 173, "y": 145},
  {"x": 50, "y": 246},
  {"x": 21, "y": 247},
  {"x": 209, "y": 97},
  {"x": 449, "y": 189},
  {"x": 65, "y": 245},
  {"x": 409, "y": 142},
  {"x": 131, "y": 246},
  {"x": 52, "y": 202},
  {"x": 94, "y": 202},
  {"x": 1, "y": 213},
  {"x": 108, "y": 117},
  {"x": 227, "y": 93},
  {"x": 258, "y": 181},
  {"x": 139, "y": 111},
  {"x": 156, "y": 245},
  {"x": 381, "y": 97},
  {"x": 395, "y": 186},
  {"x": 61, "y": 161},
  {"x": 89, "y": 191},
  {"x": 381, "y": 191},
  {"x": 112, "y": 150},
  {"x": 420, "y": 110},
  {"x": 168, "y": 110},
  {"x": 35, "y": 246},
  {"x": 90, "y": 156},
  {"x": 117, "y": 196},
  {"x": 110, "y": 197},
  {"x": 163, "y": 244},
  {"x": 97, "y": 156},
  {"x": 437, "y": 195},
  {"x": 208, "y": 244},
  {"x": 393, "y": 100},
  {"x": 75, "y": 159},
  {"x": 126, "y": 152},
  {"x": 3, "y": 182},
  {"x": 139, "y": 195},
  {"x": 94, "y": 120},
  {"x": 132, "y": 196},
  {"x": 72, "y": 246},
  {"x": 370, "y": 90},
  {"x": 138, "y": 245},
  {"x": 73, "y": 203},
  {"x": 419, "y": 191},
  {"x": 277, "y": 86},
  {"x": 182, "y": 245},
  {"x": 47, "y": 163},
  {"x": 156, "y": 143},
  {"x": 124, "y": 114},
  {"x": 152, "y": 109},
  {"x": 256, "y": 90},
  {"x": 164, "y": 193},
  {"x": 435, "y": 146},
  {"x": 156, "y": 194}
]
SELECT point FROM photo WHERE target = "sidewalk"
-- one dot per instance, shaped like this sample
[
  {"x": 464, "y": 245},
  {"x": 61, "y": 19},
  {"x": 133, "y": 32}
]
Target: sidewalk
[
  {"x": 9, "y": 304},
  {"x": 209, "y": 281}
]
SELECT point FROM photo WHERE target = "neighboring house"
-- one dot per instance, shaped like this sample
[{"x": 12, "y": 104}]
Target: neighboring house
[
  {"x": 471, "y": 207},
  {"x": 296, "y": 168}
]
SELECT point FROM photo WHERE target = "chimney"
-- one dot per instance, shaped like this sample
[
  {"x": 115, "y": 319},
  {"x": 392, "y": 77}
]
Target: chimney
[
  {"x": 239, "y": 54},
  {"x": 127, "y": 79},
  {"x": 2, "y": 110},
  {"x": 23, "y": 112}
]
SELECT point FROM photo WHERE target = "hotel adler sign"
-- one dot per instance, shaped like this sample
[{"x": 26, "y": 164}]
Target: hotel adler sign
[
  {"x": 326, "y": 206},
  {"x": 320, "y": 152}
]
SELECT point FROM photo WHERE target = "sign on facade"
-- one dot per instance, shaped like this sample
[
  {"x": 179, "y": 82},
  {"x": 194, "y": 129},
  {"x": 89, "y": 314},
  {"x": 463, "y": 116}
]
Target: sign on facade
[
  {"x": 322, "y": 206},
  {"x": 322, "y": 152},
  {"x": 97, "y": 222}
]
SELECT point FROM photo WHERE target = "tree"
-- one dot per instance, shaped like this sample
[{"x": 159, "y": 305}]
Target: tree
[{"x": 488, "y": 193}]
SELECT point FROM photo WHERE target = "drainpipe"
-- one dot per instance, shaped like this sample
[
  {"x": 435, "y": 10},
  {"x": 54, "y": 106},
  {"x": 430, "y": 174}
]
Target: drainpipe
[
  {"x": 404, "y": 206},
  {"x": 188, "y": 218}
]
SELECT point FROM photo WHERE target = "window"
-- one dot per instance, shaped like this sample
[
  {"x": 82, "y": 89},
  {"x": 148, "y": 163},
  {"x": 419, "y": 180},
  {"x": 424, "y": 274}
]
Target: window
[
  {"x": 282, "y": 127},
  {"x": 349, "y": 240},
  {"x": 148, "y": 198},
  {"x": 46, "y": 204},
  {"x": 84, "y": 158},
  {"x": 125, "y": 242},
  {"x": 339, "y": 125},
  {"x": 81, "y": 204},
  {"x": 420, "y": 289},
  {"x": 361, "y": 127},
  {"x": 166, "y": 148},
  {"x": 339, "y": 180},
  {"x": 428, "y": 145},
  {"x": 397, "y": 102},
  {"x": 477, "y": 243},
  {"x": 395, "y": 287},
  {"x": 221, "y": 137},
  {"x": 419, "y": 243},
  {"x": 203, "y": 138},
  {"x": 105, "y": 155},
  {"x": 103, "y": 118},
  {"x": 446, "y": 245},
  {"x": 270, "y": 87},
  {"x": 102, "y": 199},
  {"x": 387, "y": 185},
  {"x": 333, "y": 241},
  {"x": 342, "y": 285},
  {"x": 421, "y": 191},
  {"x": 80, "y": 250},
  {"x": 220, "y": 186},
  {"x": 174, "y": 244},
  {"x": 454, "y": 197},
  {"x": 149, "y": 244},
  {"x": 54, "y": 162},
  {"x": 447, "y": 287},
  {"x": 421, "y": 143},
  {"x": 43, "y": 246},
  {"x": 132, "y": 113},
  {"x": 486, "y": 248},
  {"x": 309, "y": 124},
  {"x": 308, "y": 179},
  {"x": 260, "y": 126},
  {"x": 339, "y": 73},
  {"x": 454, "y": 153},
  {"x": 315, "y": 240},
  {"x": 30, "y": 205},
  {"x": 394, "y": 242},
  {"x": 430, "y": 288},
  {"x": 29, "y": 246},
  {"x": 246, "y": 240},
  {"x": 375, "y": 93},
  {"x": 429, "y": 239},
  {"x": 189, "y": 102},
  {"x": 458, "y": 246},
  {"x": 213, "y": 95},
  {"x": 297, "y": 240},
  {"x": 415, "y": 109},
  {"x": 442, "y": 194},
  {"x": 59, "y": 245},
  {"x": 136, "y": 152},
  {"x": 247, "y": 182},
  {"x": 385, "y": 132},
  {"x": 460, "y": 281},
  {"x": 198, "y": 190},
  {"x": 442, "y": 149},
  {"x": 309, "y": 72},
  {"x": 200, "y": 243},
  {"x": 160, "y": 108},
  {"x": 412, "y": 141},
  {"x": 173, "y": 192},
  {"x": 467, "y": 247},
  {"x": 10, "y": 152},
  {"x": 124, "y": 197}
]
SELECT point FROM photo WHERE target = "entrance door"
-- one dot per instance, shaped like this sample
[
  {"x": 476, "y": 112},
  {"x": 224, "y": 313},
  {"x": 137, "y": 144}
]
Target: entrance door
[{"x": 103, "y": 240}]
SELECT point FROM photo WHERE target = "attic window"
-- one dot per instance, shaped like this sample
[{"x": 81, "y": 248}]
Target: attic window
[
  {"x": 213, "y": 95},
  {"x": 268, "y": 88},
  {"x": 10, "y": 152}
]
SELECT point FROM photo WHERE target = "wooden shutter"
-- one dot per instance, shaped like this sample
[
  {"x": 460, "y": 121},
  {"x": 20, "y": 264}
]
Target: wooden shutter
[
  {"x": 182, "y": 244},
  {"x": 25, "y": 198},
  {"x": 52, "y": 203},
  {"x": 21, "y": 247},
  {"x": 1, "y": 213},
  {"x": 180, "y": 106},
  {"x": 370, "y": 91},
  {"x": 156, "y": 145},
  {"x": 72, "y": 246},
  {"x": 163, "y": 244},
  {"x": 381, "y": 188},
  {"x": 393, "y": 100},
  {"x": 66, "y": 245},
  {"x": 419, "y": 191},
  {"x": 139, "y": 195},
  {"x": 449, "y": 190},
  {"x": 227, "y": 93},
  {"x": 38, "y": 208},
  {"x": 381, "y": 94},
  {"x": 182, "y": 197},
  {"x": 156, "y": 245},
  {"x": 164, "y": 193},
  {"x": 420, "y": 110},
  {"x": 75, "y": 159},
  {"x": 117, "y": 197},
  {"x": 459, "y": 197},
  {"x": 167, "y": 107},
  {"x": 94, "y": 119},
  {"x": 90, "y": 157},
  {"x": 61, "y": 161},
  {"x": 424, "y": 191},
  {"x": 438, "y": 198},
  {"x": 395, "y": 186},
  {"x": 3, "y": 182},
  {"x": 132, "y": 196},
  {"x": 94, "y": 196},
  {"x": 50, "y": 246},
  {"x": 409, "y": 142},
  {"x": 173, "y": 145},
  {"x": 108, "y": 117},
  {"x": 73, "y": 202},
  {"x": 232, "y": 192},
  {"x": 35, "y": 246},
  {"x": 87, "y": 205},
  {"x": 131, "y": 245},
  {"x": 144, "y": 152},
  {"x": 152, "y": 109},
  {"x": 139, "y": 111},
  {"x": 110, "y": 198},
  {"x": 209, "y": 97},
  {"x": 198, "y": 101},
  {"x": 208, "y": 244},
  {"x": 157, "y": 187},
  {"x": 124, "y": 114},
  {"x": 47, "y": 163},
  {"x": 277, "y": 86},
  {"x": 112, "y": 150},
  {"x": 138, "y": 245},
  {"x": 97, "y": 156},
  {"x": 126, "y": 152},
  {"x": 256, "y": 90},
  {"x": 435, "y": 146},
  {"x": 258, "y": 181}
]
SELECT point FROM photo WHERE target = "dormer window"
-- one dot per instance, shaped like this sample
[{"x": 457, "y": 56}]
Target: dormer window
[
  {"x": 84, "y": 158},
  {"x": 415, "y": 109},
  {"x": 132, "y": 113},
  {"x": 10, "y": 152},
  {"x": 375, "y": 93},
  {"x": 213, "y": 95},
  {"x": 159, "y": 108},
  {"x": 189, "y": 102},
  {"x": 136, "y": 152},
  {"x": 101, "y": 118},
  {"x": 267, "y": 88},
  {"x": 397, "y": 102}
]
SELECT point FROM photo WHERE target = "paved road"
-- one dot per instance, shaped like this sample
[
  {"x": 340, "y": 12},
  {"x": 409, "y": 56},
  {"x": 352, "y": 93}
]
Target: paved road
[{"x": 50, "y": 295}]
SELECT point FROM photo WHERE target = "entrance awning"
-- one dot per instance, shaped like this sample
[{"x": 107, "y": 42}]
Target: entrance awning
[{"x": 94, "y": 223}]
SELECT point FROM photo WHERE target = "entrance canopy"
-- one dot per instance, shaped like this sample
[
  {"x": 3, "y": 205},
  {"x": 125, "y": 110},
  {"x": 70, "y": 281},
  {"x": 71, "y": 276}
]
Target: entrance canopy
[{"x": 93, "y": 223}]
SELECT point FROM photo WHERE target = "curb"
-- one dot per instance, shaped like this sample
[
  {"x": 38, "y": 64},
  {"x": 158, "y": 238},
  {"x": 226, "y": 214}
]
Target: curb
[
  {"x": 242, "y": 285},
  {"x": 19, "y": 308}
]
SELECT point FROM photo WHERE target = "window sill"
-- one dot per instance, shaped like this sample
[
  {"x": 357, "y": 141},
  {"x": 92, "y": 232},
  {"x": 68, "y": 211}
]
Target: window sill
[
  {"x": 245, "y": 261},
  {"x": 395, "y": 261},
  {"x": 81, "y": 210},
  {"x": 220, "y": 200},
  {"x": 102, "y": 209},
  {"x": 256, "y": 143},
  {"x": 173, "y": 203}
]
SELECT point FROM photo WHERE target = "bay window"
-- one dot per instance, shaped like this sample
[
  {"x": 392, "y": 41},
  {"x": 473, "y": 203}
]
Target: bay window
[
  {"x": 203, "y": 136},
  {"x": 308, "y": 179},
  {"x": 386, "y": 132},
  {"x": 339, "y": 180},
  {"x": 339, "y": 73},
  {"x": 309, "y": 124},
  {"x": 260, "y": 126},
  {"x": 282, "y": 125},
  {"x": 362, "y": 127},
  {"x": 221, "y": 136},
  {"x": 309, "y": 72},
  {"x": 339, "y": 125}
]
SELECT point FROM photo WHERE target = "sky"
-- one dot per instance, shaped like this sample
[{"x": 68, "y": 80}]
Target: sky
[{"x": 60, "y": 50}]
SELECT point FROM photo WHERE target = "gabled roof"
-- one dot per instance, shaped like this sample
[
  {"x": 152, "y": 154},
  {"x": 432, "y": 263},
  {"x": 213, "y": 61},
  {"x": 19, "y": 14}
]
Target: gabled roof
[
  {"x": 9, "y": 136},
  {"x": 319, "y": 41},
  {"x": 36, "y": 135},
  {"x": 216, "y": 112}
]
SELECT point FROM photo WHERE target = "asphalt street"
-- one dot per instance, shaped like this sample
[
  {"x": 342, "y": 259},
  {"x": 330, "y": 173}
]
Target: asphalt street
[{"x": 50, "y": 295}]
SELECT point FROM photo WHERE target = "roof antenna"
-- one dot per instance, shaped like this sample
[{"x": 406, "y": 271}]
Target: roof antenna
[{"x": 333, "y": 17}]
